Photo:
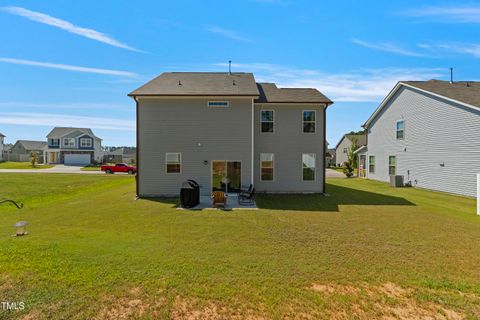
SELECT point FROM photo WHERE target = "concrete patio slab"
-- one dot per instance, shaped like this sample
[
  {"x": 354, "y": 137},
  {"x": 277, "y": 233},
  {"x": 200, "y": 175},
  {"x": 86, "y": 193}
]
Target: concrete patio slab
[{"x": 232, "y": 204}]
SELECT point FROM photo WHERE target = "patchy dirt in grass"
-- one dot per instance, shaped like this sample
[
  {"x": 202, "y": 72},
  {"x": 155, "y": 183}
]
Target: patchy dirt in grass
[
  {"x": 388, "y": 301},
  {"x": 191, "y": 310}
]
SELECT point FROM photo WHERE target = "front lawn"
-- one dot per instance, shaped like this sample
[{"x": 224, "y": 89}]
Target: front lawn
[
  {"x": 22, "y": 165},
  {"x": 366, "y": 251}
]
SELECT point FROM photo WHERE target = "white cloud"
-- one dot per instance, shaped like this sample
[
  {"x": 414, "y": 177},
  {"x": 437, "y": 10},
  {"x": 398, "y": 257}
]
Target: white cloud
[
  {"x": 52, "y": 120},
  {"x": 68, "y": 67},
  {"x": 388, "y": 47},
  {"x": 362, "y": 85},
  {"x": 449, "y": 14},
  {"x": 68, "y": 26},
  {"x": 472, "y": 49},
  {"x": 73, "y": 105},
  {"x": 227, "y": 33}
]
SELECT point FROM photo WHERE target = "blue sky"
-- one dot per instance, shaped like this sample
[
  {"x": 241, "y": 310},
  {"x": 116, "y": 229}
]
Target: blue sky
[{"x": 72, "y": 63}]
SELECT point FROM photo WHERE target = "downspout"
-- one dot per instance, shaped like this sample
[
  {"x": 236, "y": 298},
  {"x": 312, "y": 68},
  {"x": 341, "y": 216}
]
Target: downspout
[
  {"x": 137, "y": 190},
  {"x": 324, "y": 146}
]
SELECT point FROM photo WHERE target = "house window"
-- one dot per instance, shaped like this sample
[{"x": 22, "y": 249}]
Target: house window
[
  {"x": 345, "y": 150},
  {"x": 267, "y": 120},
  {"x": 173, "y": 162},
  {"x": 54, "y": 142},
  {"x": 392, "y": 165},
  {"x": 218, "y": 104},
  {"x": 266, "y": 166},
  {"x": 69, "y": 142},
  {"x": 371, "y": 164},
  {"x": 308, "y": 166},
  {"x": 309, "y": 121},
  {"x": 85, "y": 142},
  {"x": 400, "y": 130}
]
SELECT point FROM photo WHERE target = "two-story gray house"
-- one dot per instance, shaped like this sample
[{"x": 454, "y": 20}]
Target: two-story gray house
[
  {"x": 428, "y": 132},
  {"x": 73, "y": 146},
  {"x": 226, "y": 131},
  {"x": 345, "y": 144}
]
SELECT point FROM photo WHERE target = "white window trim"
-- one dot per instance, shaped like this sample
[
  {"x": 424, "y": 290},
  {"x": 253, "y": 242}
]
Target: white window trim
[
  {"x": 273, "y": 167},
  {"x": 315, "y": 121},
  {"x": 273, "y": 121},
  {"x": 214, "y": 106},
  {"x": 69, "y": 146},
  {"x": 374, "y": 165},
  {"x": 314, "y": 168},
  {"x": 166, "y": 163},
  {"x": 396, "y": 129},
  {"x": 90, "y": 142},
  {"x": 388, "y": 163}
]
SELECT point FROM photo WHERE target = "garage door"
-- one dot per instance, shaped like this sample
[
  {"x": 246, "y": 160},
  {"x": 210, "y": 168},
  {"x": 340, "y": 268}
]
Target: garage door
[{"x": 78, "y": 159}]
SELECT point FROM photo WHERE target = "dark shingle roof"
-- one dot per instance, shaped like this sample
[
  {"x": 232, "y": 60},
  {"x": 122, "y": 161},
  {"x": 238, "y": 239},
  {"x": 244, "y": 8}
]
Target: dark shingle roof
[
  {"x": 199, "y": 84},
  {"x": 58, "y": 132},
  {"x": 361, "y": 139},
  {"x": 269, "y": 92},
  {"x": 32, "y": 145},
  {"x": 464, "y": 91}
]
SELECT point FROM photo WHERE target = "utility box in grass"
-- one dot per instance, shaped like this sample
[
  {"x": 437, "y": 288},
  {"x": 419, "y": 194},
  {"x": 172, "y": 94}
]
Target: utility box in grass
[{"x": 396, "y": 181}]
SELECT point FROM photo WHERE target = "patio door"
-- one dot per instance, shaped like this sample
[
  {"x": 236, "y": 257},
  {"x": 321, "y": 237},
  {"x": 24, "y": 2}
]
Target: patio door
[{"x": 226, "y": 176}]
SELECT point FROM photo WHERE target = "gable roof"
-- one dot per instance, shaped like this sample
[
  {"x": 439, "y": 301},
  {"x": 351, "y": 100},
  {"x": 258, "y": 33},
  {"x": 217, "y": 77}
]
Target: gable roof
[
  {"x": 360, "y": 137},
  {"x": 269, "y": 92},
  {"x": 7, "y": 147},
  {"x": 199, "y": 84},
  {"x": 32, "y": 145},
  {"x": 466, "y": 93},
  {"x": 58, "y": 132},
  {"x": 2, "y": 135}
]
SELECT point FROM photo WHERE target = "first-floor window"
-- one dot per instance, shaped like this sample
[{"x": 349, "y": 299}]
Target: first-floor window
[
  {"x": 69, "y": 142},
  {"x": 371, "y": 164},
  {"x": 308, "y": 166},
  {"x": 392, "y": 165},
  {"x": 174, "y": 162},
  {"x": 266, "y": 166},
  {"x": 85, "y": 142}
]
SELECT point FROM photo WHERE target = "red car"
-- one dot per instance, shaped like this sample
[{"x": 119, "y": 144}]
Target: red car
[{"x": 119, "y": 167}]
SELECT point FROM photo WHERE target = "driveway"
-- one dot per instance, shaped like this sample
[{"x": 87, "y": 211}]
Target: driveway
[
  {"x": 59, "y": 168},
  {"x": 330, "y": 173}
]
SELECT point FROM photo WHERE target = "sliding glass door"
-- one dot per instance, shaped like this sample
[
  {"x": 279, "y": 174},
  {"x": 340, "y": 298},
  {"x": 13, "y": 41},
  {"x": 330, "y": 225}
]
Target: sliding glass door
[{"x": 226, "y": 176}]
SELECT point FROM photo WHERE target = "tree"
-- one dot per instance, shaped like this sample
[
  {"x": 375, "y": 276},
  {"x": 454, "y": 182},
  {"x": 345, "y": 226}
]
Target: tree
[
  {"x": 33, "y": 158},
  {"x": 351, "y": 163}
]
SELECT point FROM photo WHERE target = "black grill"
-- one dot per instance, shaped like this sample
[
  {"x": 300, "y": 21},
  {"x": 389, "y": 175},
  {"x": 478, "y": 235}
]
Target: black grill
[{"x": 190, "y": 194}]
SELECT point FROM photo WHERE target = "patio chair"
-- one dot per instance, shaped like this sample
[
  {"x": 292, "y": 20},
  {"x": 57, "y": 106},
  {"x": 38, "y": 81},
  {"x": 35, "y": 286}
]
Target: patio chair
[
  {"x": 219, "y": 198},
  {"x": 247, "y": 197}
]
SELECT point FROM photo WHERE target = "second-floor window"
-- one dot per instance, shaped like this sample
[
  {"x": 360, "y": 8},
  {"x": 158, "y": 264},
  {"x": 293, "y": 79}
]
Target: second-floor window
[
  {"x": 309, "y": 121},
  {"x": 400, "y": 130},
  {"x": 267, "y": 121},
  {"x": 54, "y": 142},
  {"x": 69, "y": 142},
  {"x": 85, "y": 142}
]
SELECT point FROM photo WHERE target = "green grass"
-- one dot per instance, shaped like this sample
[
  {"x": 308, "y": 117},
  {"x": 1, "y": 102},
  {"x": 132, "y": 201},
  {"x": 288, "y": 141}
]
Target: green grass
[
  {"x": 367, "y": 251},
  {"x": 89, "y": 168},
  {"x": 22, "y": 165}
]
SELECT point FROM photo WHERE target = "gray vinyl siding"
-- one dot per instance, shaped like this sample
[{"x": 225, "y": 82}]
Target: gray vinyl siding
[
  {"x": 436, "y": 132},
  {"x": 288, "y": 143},
  {"x": 342, "y": 157},
  {"x": 179, "y": 125}
]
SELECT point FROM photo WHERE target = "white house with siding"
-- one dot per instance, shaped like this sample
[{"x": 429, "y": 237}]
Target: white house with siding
[
  {"x": 428, "y": 132},
  {"x": 1, "y": 146}
]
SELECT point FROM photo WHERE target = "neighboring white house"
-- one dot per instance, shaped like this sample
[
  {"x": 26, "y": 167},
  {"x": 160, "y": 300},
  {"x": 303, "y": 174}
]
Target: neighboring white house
[
  {"x": 73, "y": 146},
  {"x": 428, "y": 132},
  {"x": 345, "y": 143},
  {"x": 2, "y": 136}
]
